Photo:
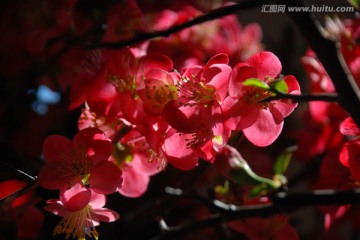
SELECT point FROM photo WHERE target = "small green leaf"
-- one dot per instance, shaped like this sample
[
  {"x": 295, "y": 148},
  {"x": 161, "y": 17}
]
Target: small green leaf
[
  {"x": 240, "y": 176},
  {"x": 279, "y": 85},
  {"x": 282, "y": 162},
  {"x": 259, "y": 190},
  {"x": 355, "y": 3},
  {"x": 243, "y": 174},
  {"x": 256, "y": 83},
  {"x": 222, "y": 190}
]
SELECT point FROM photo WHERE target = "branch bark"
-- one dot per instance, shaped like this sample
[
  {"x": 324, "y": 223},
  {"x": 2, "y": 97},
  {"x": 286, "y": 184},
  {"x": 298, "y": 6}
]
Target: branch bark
[
  {"x": 281, "y": 202},
  {"x": 327, "y": 97},
  {"x": 215, "y": 14},
  {"x": 329, "y": 54}
]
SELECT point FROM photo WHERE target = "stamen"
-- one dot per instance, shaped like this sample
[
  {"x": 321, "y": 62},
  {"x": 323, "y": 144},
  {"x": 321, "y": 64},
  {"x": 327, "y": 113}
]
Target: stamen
[
  {"x": 92, "y": 63},
  {"x": 125, "y": 83},
  {"x": 152, "y": 156},
  {"x": 77, "y": 224},
  {"x": 195, "y": 92},
  {"x": 159, "y": 95},
  {"x": 78, "y": 168},
  {"x": 126, "y": 79},
  {"x": 199, "y": 138}
]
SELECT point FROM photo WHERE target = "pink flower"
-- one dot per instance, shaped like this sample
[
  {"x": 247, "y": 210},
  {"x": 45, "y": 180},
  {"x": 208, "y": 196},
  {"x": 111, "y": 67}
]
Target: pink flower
[
  {"x": 84, "y": 160},
  {"x": 196, "y": 114},
  {"x": 116, "y": 94},
  {"x": 350, "y": 152},
  {"x": 81, "y": 223},
  {"x": 276, "y": 227},
  {"x": 133, "y": 156},
  {"x": 20, "y": 210},
  {"x": 261, "y": 122},
  {"x": 157, "y": 90}
]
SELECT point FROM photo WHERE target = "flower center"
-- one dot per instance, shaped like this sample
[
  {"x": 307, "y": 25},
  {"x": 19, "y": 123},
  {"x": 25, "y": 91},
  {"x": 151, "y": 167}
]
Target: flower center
[
  {"x": 92, "y": 63},
  {"x": 152, "y": 156},
  {"x": 254, "y": 95},
  {"x": 159, "y": 95},
  {"x": 194, "y": 92},
  {"x": 78, "y": 225},
  {"x": 78, "y": 169},
  {"x": 122, "y": 154},
  {"x": 126, "y": 83},
  {"x": 199, "y": 138}
]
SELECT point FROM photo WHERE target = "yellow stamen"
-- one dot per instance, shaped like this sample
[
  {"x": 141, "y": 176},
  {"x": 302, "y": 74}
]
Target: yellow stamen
[{"x": 77, "y": 225}]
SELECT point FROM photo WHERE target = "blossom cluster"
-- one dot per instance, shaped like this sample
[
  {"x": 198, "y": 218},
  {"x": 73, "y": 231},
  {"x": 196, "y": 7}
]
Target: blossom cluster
[
  {"x": 177, "y": 101},
  {"x": 141, "y": 115},
  {"x": 143, "y": 109}
]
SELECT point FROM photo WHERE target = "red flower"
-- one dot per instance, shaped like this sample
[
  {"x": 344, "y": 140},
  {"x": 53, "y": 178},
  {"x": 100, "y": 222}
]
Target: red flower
[
  {"x": 261, "y": 122},
  {"x": 116, "y": 91},
  {"x": 350, "y": 153},
  {"x": 133, "y": 157},
  {"x": 81, "y": 222},
  {"x": 196, "y": 113},
  {"x": 20, "y": 210},
  {"x": 83, "y": 160},
  {"x": 276, "y": 227}
]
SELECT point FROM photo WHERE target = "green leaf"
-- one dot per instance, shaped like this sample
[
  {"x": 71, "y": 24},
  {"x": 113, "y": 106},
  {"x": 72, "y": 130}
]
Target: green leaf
[
  {"x": 243, "y": 177},
  {"x": 256, "y": 83},
  {"x": 243, "y": 174},
  {"x": 355, "y": 3},
  {"x": 279, "y": 85},
  {"x": 259, "y": 190},
  {"x": 282, "y": 162},
  {"x": 222, "y": 190}
]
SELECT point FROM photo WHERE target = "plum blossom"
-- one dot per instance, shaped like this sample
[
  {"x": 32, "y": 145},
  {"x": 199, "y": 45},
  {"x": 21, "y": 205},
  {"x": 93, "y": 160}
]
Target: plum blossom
[
  {"x": 84, "y": 160},
  {"x": 81, "y": 223},
  {"x": 261, "y": 122}
]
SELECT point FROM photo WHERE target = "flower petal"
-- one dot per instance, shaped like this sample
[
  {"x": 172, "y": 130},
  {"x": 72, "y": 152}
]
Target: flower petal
[
  {"x": 238, "y": 114},
  {"x": 265, "y": 130},
  {"x": 218, "y": 76},
  {"x": 134, "y": 183},
  {"x": 76, "y": 197},
  {"x": 52, "y": 176},
  {"x": 240, "y": 73},
  {"x": 105, "y": 215},
  {"x": 177, "y": 153},
  {"x": 56, "y": 207},
  {"x": 97, "y": 200},
  {"x": 354, "y": 154},
  {"x": 105, "y": 178},
  {"x": 349, "y": 128},
  {"x": 96, "y": 145},
  {"x": 266, "y": 64},
  {"x": 11, "y": 186},
  {"x": 57, "y": 149}
]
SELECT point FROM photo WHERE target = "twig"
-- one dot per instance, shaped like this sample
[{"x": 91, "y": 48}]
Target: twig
[
  {"x": 329, "y": 54},
  {"x": 20, "y": 172},
  {"x": 281, "y": 202},
  {"x": 327, "y": 97},
  {"x": 215, "y": 14}
]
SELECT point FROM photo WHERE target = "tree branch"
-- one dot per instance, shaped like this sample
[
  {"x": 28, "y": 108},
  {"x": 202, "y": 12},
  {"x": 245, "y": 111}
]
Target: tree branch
[
  {"x": 281, "y": 202},
  {"x": 19, "y": 172},
  {"x": 215, "y": 14},
  {"x": 327, "y": 97},
  {"x": 329, "y": 54}
]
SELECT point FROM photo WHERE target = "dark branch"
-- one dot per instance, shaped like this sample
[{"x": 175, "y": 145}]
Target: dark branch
[
  {"x": 282, "y": 202},
  {"x": 327, "y": 97},
  {"x": 215, "y": 14},
  {"x": 18, "y": 171},
  {"x": 329, "y": 54}
]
